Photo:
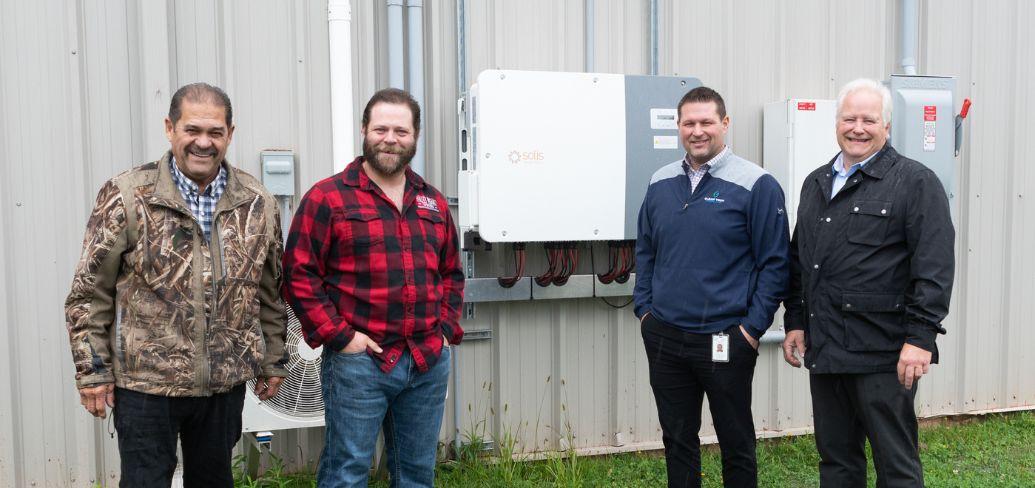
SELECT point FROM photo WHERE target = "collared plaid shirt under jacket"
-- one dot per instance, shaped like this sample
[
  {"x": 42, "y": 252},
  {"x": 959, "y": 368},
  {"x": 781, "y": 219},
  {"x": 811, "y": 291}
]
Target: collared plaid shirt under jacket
[
  {"x": 355, "y": 263},
  {"x": 697, "y": 175},
  {"x": 202, "y": 205}
]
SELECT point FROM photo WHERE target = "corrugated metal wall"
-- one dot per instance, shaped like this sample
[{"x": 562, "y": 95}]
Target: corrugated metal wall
[{"x": 84, "y": 86}]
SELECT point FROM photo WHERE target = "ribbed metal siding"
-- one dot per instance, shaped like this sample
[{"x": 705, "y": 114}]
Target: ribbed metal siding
[{"x": 84, "y": 87}]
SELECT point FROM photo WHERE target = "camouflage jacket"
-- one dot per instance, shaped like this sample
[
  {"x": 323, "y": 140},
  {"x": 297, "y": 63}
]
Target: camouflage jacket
[{"x": 156, "y": 309}]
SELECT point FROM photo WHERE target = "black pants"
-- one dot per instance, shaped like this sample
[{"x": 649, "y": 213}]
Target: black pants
[
  {"x": 848, "y": 409},
  {"x": 148, "y": 425},
  {"x": 681, "y": 374}
]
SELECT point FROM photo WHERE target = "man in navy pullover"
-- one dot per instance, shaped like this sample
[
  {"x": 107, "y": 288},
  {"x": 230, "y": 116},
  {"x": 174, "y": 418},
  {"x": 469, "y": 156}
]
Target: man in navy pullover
[{"x": 711, "y": 269}]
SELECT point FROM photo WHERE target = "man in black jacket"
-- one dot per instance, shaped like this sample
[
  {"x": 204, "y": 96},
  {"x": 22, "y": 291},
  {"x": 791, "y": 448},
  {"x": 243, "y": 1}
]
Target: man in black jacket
[{"x": 871, "y": 275}]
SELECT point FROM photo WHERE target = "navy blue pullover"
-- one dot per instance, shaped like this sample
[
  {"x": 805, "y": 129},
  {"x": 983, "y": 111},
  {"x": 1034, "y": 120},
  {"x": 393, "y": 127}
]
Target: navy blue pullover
[{"x": 717, "y": 257}]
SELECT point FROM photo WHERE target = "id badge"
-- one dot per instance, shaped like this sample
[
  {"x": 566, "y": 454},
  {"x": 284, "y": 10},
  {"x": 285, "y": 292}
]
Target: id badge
[{"x": 720, "y": 348}]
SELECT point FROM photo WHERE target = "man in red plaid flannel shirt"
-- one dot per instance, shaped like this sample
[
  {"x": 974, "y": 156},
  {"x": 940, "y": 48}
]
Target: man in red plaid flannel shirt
[{"x": 372, "y": 270}]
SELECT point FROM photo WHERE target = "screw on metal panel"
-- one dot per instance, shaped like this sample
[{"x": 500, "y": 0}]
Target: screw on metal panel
[
  {"x": 488, "y": 155},
  {"x": 596, "y": 231},
  {"x": 595, "y": 79},
  {"x": 504, "y": 233},
  {"x": 502, "y": 76},
  {"x": 74, "y": 51}
]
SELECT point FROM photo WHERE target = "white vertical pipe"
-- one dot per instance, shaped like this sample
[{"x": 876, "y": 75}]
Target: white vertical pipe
[
  {"x": 396, "y": 58},
  {"x": 910, "y": 15},
  {"x": 415, "y": 74},
  {"x": 339, "y": 36},
  {"x": 590, "y": 36}
]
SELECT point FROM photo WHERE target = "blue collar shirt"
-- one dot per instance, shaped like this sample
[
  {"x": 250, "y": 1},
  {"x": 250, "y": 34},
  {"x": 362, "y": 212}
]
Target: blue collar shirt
[{"x": 841, "y": 175}]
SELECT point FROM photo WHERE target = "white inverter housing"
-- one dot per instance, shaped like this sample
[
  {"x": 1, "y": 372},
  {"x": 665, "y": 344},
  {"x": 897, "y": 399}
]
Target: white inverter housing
[{"x": 564, "y": 156}]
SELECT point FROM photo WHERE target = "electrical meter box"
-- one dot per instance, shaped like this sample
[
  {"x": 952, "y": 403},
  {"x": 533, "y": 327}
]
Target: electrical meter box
[
  {"x": 923, "y": 125},
  {"x": 278, "y": 171},
  {"x": 798, "y": 137},
  {"x": 550, "y": 156}
]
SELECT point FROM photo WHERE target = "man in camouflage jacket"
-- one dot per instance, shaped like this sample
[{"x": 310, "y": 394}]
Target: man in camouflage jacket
[{"x": 175, "y": 303}]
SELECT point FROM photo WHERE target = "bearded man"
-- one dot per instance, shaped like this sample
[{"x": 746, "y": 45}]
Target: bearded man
[{"x": 372, "y": 269}]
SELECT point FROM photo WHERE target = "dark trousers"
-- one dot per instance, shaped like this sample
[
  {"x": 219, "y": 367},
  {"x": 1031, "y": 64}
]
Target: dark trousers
[
  {"x": 148, "y": 425},
  {"x": 850, "y": 408},
  {"x": 681, "y": 374}
]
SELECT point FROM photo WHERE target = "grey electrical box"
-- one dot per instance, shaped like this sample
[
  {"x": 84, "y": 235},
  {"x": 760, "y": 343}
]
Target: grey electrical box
[
  {"x": 651, "y": 134},
  {"x": 923, "y": 125},
  {"x": 278, "y": 172}
]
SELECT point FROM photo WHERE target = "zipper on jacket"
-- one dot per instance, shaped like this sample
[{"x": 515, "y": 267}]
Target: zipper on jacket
[
  {"x": 215, "y": 246},
  {"x": 201, "y": 318}
]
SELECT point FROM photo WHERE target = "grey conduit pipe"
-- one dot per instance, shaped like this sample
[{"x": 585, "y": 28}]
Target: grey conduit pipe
[
  {"x": 461, "y": 91},
  {"x": 396, "y": 58},
  {"x": 415, "y": 74},
  {"x": 654, "y": 37},
  {"x": 910, "y": 14}
]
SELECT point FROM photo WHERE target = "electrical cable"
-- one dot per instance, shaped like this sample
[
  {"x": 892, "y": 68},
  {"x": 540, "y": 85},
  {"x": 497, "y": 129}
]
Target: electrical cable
[
  {"x": 612, "y": 258},
  {"x": 628, "y": 261},
  {"x": 569, "y": 257},
  {"x": 626, "y": 304},
  {"x": 547, "y": 277},
  {"x": 518, "y": 248}
]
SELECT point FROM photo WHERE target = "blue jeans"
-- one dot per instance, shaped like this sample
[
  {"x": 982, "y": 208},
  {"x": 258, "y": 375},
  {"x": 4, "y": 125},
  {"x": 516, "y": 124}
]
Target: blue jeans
[{"x": 359, "y": 399}]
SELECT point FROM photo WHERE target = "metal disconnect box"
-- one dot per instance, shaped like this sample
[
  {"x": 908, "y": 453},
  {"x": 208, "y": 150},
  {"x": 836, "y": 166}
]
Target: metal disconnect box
[
  {"x": 923, "y": 125},
  {"x": 565, "y": 156},
  {"x": 798, "y": 137}
]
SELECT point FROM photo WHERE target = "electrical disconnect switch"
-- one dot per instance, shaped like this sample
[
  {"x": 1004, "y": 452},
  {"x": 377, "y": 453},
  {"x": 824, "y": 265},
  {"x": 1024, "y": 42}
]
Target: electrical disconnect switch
[{"x": 924, "y": 127}]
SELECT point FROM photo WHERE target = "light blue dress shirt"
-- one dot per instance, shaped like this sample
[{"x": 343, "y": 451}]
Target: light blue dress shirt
[{"x": 841, "y": 175}]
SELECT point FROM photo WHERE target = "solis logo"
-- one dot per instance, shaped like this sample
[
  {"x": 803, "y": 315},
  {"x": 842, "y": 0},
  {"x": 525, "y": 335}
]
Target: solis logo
[
  {"x": 516, "y": 157},
  {"x": 714, "y": 198}
]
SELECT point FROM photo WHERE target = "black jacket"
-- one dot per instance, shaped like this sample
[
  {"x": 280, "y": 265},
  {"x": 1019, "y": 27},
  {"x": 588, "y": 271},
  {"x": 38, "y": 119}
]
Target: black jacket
[{"x": 872, "y": 268}]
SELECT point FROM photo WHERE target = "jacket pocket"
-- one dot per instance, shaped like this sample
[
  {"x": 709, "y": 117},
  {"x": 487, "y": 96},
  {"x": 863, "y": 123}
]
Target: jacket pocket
[
  {"x": 156, "y": 343},
  {"x": 234, "y": 354},
  {"x": 868, "y": 222},
  {"x": 873, "y": 321}
]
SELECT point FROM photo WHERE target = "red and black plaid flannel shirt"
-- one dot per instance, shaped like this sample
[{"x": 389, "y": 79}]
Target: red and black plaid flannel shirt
[{"x": 353, "y": 262}]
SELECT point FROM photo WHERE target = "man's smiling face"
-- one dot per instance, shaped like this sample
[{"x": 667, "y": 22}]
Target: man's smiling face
[
  {"x": 199, "y": 140},
  {"x": 861, "y": 129}
]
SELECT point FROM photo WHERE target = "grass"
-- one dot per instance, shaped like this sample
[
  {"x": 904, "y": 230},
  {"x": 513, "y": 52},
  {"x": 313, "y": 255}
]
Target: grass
[{"x": 991, "y": 451}]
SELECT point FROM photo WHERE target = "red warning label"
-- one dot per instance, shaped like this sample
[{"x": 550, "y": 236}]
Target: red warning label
[
  {"x": 807, "y": 106},
  {"x": 930, "y": 113}
]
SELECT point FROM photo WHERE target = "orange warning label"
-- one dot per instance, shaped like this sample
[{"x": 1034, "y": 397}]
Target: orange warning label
[
  {"x": 807, "y": 106},
  {"x": 930, "y": 113}
]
